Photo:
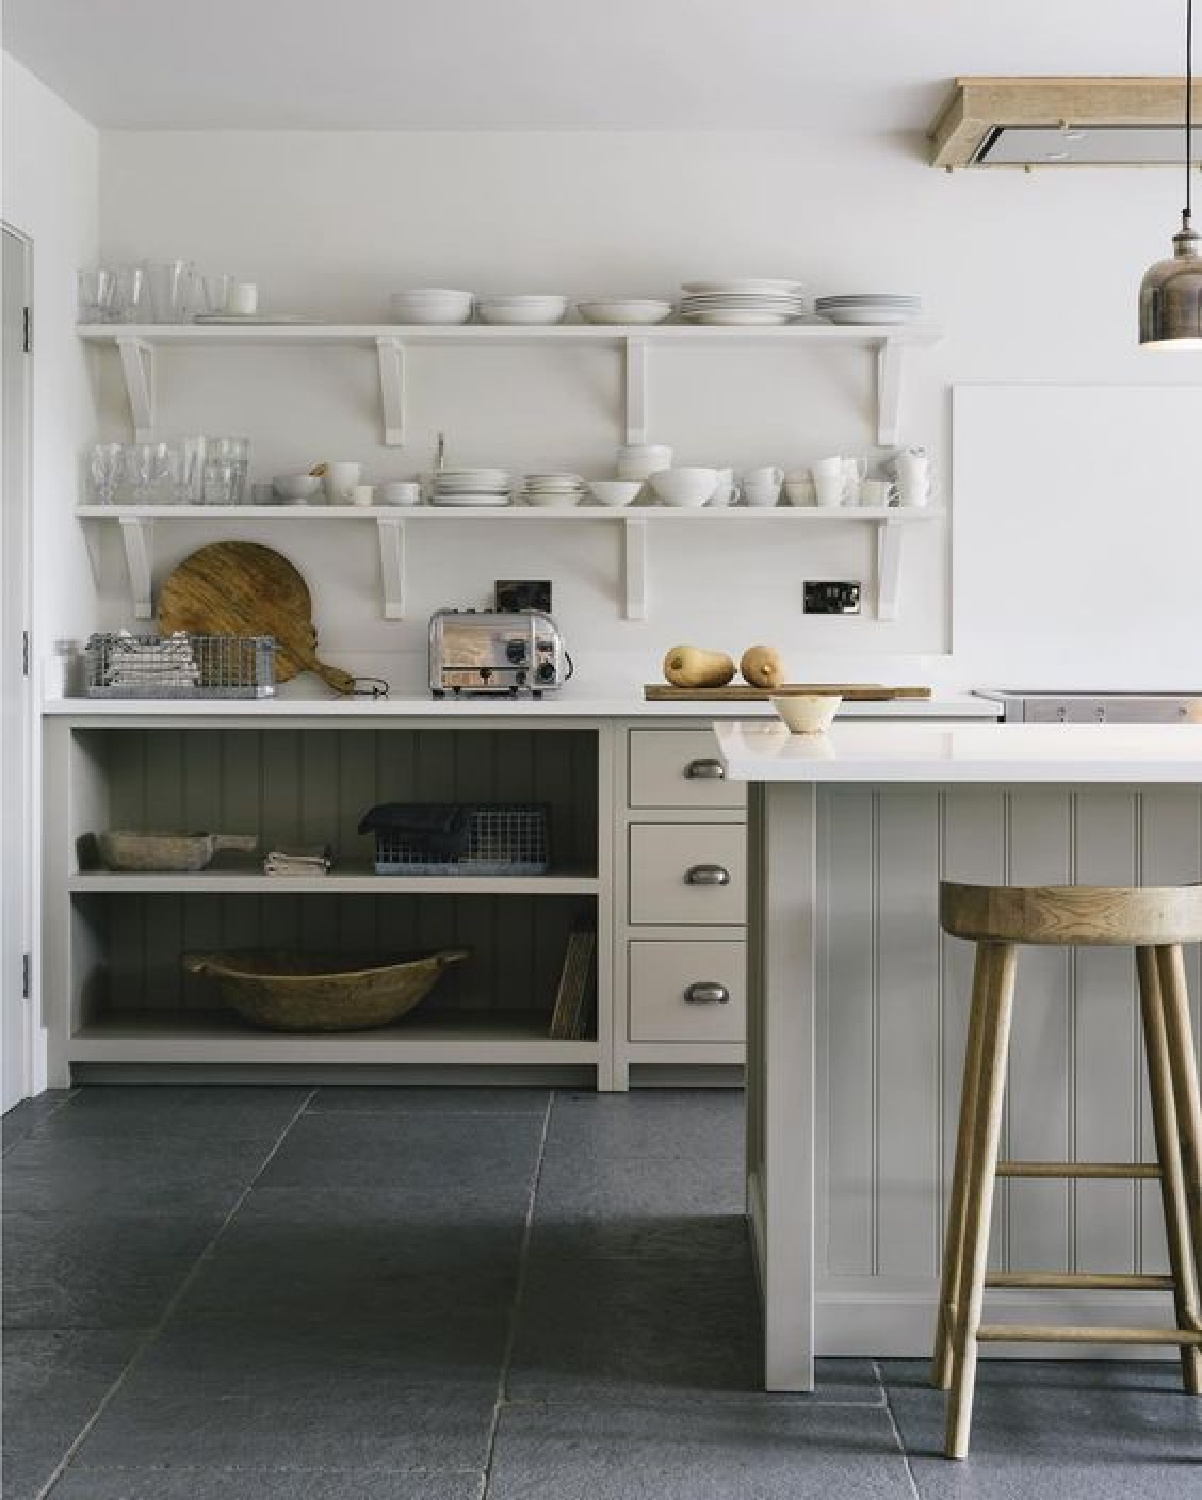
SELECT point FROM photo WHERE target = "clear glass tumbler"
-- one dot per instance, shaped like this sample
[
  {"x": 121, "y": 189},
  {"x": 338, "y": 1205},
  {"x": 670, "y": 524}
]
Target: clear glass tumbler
[
  {"x": 171, "y": 287},
  {"x": 220, "y": 482},
  {"x": 107, "y": 468},
  {"x": 129, "y": 285},
  {"x": 190, "y": 488},
  {"x": 95, "y": 295},
  {"x": 234, "y": 451}
]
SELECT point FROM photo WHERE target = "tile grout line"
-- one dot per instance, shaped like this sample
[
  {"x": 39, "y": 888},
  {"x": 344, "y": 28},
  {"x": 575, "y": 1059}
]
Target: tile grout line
[
  {"x": 168, "y": 1312},
  {"x": 897, "y": 1437},
  {"x": 518, "y": 1291}
]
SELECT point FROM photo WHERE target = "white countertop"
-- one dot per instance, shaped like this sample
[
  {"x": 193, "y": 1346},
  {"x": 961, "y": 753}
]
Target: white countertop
[
  {"x": 565, "y": 705},
  {"x": 989, "y": 753}
]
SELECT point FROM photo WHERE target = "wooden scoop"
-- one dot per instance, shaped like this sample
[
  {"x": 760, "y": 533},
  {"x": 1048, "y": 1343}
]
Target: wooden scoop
[{"x": 241, "y": 588}]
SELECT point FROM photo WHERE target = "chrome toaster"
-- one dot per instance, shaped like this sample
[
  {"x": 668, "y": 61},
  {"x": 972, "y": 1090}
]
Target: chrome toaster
[{"x": 478, "y": 651}]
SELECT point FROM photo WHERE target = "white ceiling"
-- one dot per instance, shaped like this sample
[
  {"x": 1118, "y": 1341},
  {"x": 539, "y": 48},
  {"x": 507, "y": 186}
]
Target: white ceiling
[{"x": 563, "y": 64}]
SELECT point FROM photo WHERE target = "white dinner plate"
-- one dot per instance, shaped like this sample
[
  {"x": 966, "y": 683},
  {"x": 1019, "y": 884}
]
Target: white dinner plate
[
  {"x": 743, "y": 286},
  {"x": 484, "y": 498},
  {"x": 739, "y": 319},
  {"x": 261, "y": 320}
]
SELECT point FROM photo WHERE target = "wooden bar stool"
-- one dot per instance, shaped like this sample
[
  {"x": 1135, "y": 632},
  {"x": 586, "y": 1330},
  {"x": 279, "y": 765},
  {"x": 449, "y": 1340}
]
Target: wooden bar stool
[{"x": 1155, "y": 921}]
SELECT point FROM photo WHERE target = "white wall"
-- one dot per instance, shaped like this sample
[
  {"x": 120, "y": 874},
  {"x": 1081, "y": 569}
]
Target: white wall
[
  {"x": 49, "y": 193},
  {"x": 1033, "y": 275}
]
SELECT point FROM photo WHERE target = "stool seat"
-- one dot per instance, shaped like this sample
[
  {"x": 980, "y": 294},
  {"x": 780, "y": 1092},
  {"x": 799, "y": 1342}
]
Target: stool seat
[{"x": 1156, "y": 921}]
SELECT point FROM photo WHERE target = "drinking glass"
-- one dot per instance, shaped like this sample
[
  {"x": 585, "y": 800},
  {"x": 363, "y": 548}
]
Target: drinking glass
[
  {"x": 170, "y": 283},
  {"x": 220, "y": 482},
  {"x": 95, "y": 295},
  {"x": 189, "y": 488},
  {"x": 163, "y": 467},
  {"x": 128, "y": 287},
  {"x": 234, "y": 451},
  {"x": 107, "y": 466},
  {"x": 217, "y": 293}
]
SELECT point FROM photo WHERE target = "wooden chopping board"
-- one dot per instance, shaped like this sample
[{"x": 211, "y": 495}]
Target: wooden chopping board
[
  {"x": 241, "y": 588},
  {"x": 739, "y": 692}
]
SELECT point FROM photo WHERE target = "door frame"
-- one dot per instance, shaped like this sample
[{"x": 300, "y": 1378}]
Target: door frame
[{"x": 17, "y": 572}]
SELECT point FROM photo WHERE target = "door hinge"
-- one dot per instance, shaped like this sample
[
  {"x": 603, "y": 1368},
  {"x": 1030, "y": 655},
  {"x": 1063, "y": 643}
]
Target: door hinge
[
  {"x": 25, "y": 653},
  {"x": 26, "y": 976},
  {"x": 27, "y": 330}
]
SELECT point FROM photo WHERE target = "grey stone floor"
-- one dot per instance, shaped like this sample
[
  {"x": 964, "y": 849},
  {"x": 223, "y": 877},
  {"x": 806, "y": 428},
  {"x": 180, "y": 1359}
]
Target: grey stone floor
[{"x": 360, "y": 1294}]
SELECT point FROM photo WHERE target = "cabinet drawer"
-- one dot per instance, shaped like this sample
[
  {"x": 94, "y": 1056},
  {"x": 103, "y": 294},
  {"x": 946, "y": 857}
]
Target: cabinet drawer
[
  {"x": 679, "y": 768},
  {"x": 677, "y": 989},
  {"x": 688, "y": 872}
]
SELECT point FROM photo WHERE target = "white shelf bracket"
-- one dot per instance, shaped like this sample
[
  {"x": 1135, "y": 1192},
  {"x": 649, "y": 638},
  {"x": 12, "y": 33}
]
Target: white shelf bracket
[
  {"x": 391, "y": 533},
  {"x": 635, "y": 386},
  {"x": 137, "y": 365},
  {"x": 135, "y": 536},
  {"x": 888, "y": 568},
  {"x": 889, "y": 361},
  {"x": 391, "y": 355},
  {"x": 635, "y": 569}
]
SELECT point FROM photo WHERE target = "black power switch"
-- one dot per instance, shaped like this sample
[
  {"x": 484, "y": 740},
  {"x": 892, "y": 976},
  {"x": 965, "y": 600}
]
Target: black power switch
[{"x": 831, "y": 597}]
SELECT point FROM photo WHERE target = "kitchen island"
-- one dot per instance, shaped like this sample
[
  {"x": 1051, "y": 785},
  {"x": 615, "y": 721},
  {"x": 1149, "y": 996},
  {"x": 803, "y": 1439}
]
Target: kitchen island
[{"x": 857, "y": 1009}]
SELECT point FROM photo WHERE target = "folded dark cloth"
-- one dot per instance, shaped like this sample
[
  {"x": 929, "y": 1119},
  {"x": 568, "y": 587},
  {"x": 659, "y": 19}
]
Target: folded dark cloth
[{"x": 439, "y": 829}]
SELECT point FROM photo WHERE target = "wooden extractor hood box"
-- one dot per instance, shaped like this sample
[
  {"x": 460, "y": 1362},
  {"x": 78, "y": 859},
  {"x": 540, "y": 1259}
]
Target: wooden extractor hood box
[{"x": 1029, "y": 122}]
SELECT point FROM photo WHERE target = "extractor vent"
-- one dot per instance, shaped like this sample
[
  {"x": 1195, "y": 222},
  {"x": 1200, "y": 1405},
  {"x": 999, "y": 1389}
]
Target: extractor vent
[{"x": 1063, "y": 122}]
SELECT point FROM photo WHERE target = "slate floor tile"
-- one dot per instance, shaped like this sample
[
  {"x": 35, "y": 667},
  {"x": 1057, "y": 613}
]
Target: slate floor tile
[
  {"x": 53, "y": 1382},
  {"x": 680, "y": 1239},
  {"x": 612, "y": 1191},
  {"x": 628, "y": 1450},
  {"x": 81, "y": 1483},
  {"x": 18, "y": 1122},
  {"x": 439, "y": 1101},
  {"x": 203, "y": 1112},
  {"x": 221, "y": 1397},
  {"x": 648, "y": 1124},
  {"x": 89, "y": 1271}
]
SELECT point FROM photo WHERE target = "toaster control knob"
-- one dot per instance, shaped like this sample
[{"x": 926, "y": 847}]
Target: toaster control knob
[
  {"x": 546, "y": 671},
  {"x": 485, "y": 674},
  {"x": 515, "y": 649}
]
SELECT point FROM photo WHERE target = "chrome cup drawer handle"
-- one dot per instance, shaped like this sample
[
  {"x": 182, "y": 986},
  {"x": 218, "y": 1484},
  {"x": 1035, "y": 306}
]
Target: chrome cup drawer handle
[
  {"x": 707, "y": 994},
  {"x": 705, "y": 770},
  {"x": 707, "y": 875}
]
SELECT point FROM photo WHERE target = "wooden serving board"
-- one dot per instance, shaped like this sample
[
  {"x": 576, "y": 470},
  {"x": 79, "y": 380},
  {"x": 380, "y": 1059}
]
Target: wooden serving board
[
  {"x": 241, "y": 588},
  {"x": 739, "y": 692}
]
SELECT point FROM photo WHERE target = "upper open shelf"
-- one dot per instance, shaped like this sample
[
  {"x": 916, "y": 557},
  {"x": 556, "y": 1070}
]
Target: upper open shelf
[{"x": 137, "y": 345}]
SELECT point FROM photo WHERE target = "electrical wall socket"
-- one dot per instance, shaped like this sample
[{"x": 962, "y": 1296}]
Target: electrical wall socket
[
  {"x": 512, "y": 594},
  {"x": 831, "y": 597}
]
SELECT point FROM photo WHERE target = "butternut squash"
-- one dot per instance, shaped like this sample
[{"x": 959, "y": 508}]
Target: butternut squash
[
  {"x": 762, "y": 667},
  {"x": 690, "y": 666}
]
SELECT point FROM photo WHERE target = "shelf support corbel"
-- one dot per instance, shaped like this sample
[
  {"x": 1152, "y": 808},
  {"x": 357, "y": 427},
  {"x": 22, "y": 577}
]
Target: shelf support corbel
[
  {"x": 635, "y": 388},
  {"x": 135, "y": 537},
  {"x": 635, "y": 568},
  {"x": 390, "y": 531},
  {"x": 889, "y": 361},
  {"x": 391, "y": 356},
  {"x": 137, "y": 365},
  {"x": 888, "y": 568}
]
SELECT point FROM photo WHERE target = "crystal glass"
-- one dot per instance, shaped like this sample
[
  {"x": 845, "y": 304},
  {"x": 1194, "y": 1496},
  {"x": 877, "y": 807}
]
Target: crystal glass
[
  {"x": 234, "y": 451},
  {"x": 129, "y": 286},
  {"x": 217, "y": 293},
  {"x": 220, "y": 482},
  {"x": 106, "y": 467},
  {"x": 172, "y": 289},
  {"x": 191, "y": 479},
  {"x": 95, "y": 295}
]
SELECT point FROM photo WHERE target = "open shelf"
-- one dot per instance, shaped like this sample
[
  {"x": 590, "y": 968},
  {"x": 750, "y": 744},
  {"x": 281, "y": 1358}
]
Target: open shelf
[
  {"x": 217, "y": 1036},
  {"x": 137, "y": 345},
  {"x": 346, "y": 881}
]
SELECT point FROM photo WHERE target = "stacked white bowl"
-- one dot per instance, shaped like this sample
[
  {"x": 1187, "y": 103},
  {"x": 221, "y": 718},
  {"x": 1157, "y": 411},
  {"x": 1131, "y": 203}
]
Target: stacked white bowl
[
  {"x": 523, "y": 309},
  {"x": 431, "y": 305},
  {"x": 552, "y": 489}
]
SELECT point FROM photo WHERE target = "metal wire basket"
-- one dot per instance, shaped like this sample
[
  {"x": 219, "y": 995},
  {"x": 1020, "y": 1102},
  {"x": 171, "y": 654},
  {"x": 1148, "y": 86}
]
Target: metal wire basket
[
  {"x": 120, "y": 665},
  {"x": 502, "y": 839}
]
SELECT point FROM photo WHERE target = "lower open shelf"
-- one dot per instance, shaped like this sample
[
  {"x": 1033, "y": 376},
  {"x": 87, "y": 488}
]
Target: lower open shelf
[{"x": 218, "y": 1036}]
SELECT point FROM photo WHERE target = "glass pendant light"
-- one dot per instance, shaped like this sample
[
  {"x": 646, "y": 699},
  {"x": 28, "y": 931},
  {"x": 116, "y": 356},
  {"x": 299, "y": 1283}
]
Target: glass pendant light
[{"x": 1170, "y": 295}]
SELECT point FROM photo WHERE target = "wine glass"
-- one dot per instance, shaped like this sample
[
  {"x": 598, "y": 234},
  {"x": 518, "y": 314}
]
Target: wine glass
[{"x": 107, "y": 467}]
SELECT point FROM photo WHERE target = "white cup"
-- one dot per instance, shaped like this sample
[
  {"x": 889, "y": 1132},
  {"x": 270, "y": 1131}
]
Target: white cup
[
  {"x": 724, "y": 490},
  {"x": 242, "y": 298},
  {"x": 766, "y": 476},
  {"x": 400, "y": 492},
  {"x": 760, "y": 494},
  {"x": 641, "y": 460},
  {"x": 878, "y": 493},
  {"x": 363, "y": 494},
  {"x": 829, "y": 489},
  {"x": 340, "y": 481},
  {"x": 912, "y": 471},
  {"x": 827, "y": 468}
]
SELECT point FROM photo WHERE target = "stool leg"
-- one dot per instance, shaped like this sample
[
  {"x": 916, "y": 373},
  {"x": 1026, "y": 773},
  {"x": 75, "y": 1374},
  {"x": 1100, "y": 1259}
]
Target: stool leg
[
  {"x": 953, "y": 1244},
  {"x": 995, "y": 1051},
  {"x": 1168, "y": 1153},
  {"x": 1170, "y": 963}
]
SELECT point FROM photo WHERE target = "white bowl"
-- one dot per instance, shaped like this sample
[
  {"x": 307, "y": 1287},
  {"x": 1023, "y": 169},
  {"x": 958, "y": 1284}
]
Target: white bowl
[
  {"x": 625, "y": 310},
  {"x": 615, "y": 491},
  {"x": 435, "y": 305},
  {"x": 295, "y": 486},
  {"x": 522, "y": 309},
  {"x": 808, "y": 713},
  {"x": 684, "y": 486}
]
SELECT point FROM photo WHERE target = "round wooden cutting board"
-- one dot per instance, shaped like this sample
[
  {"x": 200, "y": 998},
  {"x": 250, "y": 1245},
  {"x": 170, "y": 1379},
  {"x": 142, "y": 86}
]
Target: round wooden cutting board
[{"x": 241, "y": 588}]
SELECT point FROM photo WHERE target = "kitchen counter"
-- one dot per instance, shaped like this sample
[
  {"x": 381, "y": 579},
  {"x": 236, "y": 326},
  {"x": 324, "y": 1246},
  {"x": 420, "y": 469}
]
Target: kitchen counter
[{"x": 857, "y": 1008}]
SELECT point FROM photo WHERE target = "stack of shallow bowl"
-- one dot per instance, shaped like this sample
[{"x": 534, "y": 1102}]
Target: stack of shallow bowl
[
  {"x": 742, "y": 302},
  {"x": 522, "y": 310},
  {"x": 470, "y": 487},
  {"x": 431, "y": 305},
  {"x": 552, "y": 489},
  {"x": 869, "y": 307}
]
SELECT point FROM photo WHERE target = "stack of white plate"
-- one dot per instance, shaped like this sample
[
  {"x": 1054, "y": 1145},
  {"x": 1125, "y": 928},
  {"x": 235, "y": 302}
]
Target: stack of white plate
[
  {"x": 742, "y": 302},
  {"x": 534, "y": 309},
  {"x": 471, "y": 487},
  {"x": 553, "y": 489},
  {"x": 869, "y": 307},
  {"x": 431, "y": 305}
]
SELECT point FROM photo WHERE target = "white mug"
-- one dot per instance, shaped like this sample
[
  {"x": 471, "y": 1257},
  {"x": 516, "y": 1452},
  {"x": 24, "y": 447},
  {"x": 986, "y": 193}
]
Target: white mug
[
  {"x": 641, "y": 460},
  {"x": 760, "y": 494},
  {"x": 766, "y": 476},
  {"x": 829, "y": 489},
  {"x": 912, "y": 471},
  {"x": 242, "y": 298},
  {"x": 400, "y": 492},
  {"x": 724, "y": 490},
  {"x": 878, "y": 493},
  {"x": 362, "y": 494},
  {"x": 827, "y": 468},
  {"x": 340, "y": 480}
]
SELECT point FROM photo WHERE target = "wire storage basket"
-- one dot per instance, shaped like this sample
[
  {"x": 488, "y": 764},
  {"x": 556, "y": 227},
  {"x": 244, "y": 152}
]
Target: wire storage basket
[
  {"x": 121, "y": 665},
  {"x": 475, "y": 838}
]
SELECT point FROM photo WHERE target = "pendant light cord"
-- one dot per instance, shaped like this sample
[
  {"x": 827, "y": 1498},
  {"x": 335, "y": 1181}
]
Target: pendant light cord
[{"x": 1189, "y": 104}]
